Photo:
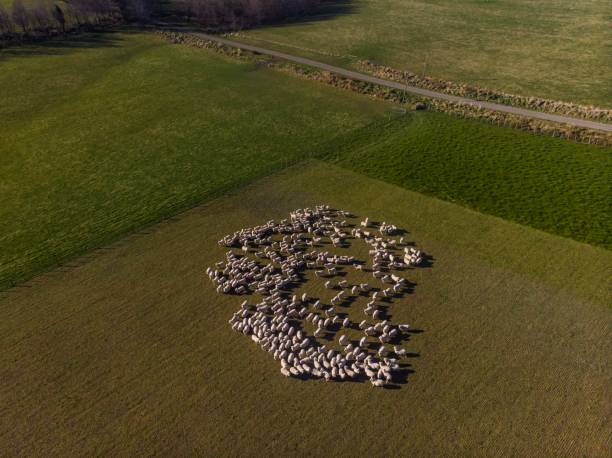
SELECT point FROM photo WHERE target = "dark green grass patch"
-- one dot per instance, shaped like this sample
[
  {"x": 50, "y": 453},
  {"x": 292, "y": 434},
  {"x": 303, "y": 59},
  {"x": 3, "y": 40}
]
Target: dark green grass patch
[
  {"x": 104, "y": 133},
  {"x": 546, "y": 183}
]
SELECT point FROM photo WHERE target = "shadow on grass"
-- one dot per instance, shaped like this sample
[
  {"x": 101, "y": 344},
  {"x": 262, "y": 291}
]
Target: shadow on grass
[
  {"x": 329, "y": 9},
  {"x": 65, "y": 44}
]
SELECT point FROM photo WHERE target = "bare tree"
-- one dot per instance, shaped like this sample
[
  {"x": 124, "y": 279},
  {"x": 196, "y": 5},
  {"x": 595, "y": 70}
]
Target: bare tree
[
  {"x": 100, "y": 11},
  {"x": 20, "y": 15},
  {"x": 236, "y": 14},
  {"x": 7, "y": 27},
  {"x": 141, "y": 9},
  {"x": 59, "y": 17},
  {"x": 40, "y": 17}
]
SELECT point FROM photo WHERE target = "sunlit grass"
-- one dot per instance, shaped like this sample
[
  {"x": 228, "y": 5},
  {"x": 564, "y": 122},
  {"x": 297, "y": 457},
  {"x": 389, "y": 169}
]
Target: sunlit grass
[{"x": 548, "y": 48}]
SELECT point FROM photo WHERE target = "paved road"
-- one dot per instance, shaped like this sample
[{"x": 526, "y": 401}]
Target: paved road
[{"x": 412, "y": 89}]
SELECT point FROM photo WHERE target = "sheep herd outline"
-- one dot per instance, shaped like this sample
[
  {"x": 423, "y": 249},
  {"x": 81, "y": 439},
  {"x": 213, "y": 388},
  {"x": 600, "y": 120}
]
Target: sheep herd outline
[{"x": 310, "y": 335}]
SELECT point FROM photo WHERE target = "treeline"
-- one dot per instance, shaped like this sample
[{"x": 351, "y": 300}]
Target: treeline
[
  {"x": 42, "y": 18},
  {"x": 31, "y": 19},
  {"x": 241, "y": 14}
]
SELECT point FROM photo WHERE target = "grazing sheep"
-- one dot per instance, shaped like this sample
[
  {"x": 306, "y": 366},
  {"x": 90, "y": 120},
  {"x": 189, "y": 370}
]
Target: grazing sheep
[{"x": 271, "y": 323}]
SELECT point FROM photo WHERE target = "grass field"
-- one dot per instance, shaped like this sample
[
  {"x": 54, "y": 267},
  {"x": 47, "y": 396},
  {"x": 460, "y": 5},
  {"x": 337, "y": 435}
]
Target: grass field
[
  {"x": 109, "y": 132},
  {"x": 123, "y": 353},
  {"x": 549, "y": 184},
  {"x": 556, "y": 49}
]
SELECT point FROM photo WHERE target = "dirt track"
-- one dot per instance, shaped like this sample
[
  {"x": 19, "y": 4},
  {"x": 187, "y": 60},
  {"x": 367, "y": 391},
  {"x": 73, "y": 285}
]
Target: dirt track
[{"x": 412, "y": 89}]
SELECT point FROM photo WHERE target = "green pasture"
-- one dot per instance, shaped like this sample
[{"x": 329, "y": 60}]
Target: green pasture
[
  {"x": 558, "y": 49},
  {"x": 124, "y": 159},
  {"x": 128, "y": 351},
  {"x": 550, "y": 184},
  {"x": 105, "y": 133}
]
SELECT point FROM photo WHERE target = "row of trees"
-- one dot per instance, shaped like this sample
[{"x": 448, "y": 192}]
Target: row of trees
[
  {"x": 239, "y": 14},
  {"x": 46, "y": 17},
  {"x": 51, "y": 17}
]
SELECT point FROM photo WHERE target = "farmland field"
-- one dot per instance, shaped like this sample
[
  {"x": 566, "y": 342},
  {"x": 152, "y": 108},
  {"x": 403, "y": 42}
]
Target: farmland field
[
  {"x": 105, "y": 133},
  {"x": 124, "y": 159},
  {"x": 129, "y": 351},
  {"x": 549, "y": 184},
  {"x": 557, "y": 49}
]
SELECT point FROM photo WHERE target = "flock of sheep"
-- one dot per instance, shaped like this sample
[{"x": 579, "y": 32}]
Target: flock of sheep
[{"x": 283, "y": 251}]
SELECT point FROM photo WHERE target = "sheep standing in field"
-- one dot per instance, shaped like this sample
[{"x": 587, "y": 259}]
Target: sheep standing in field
[{"x": 283, "y": 251}]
